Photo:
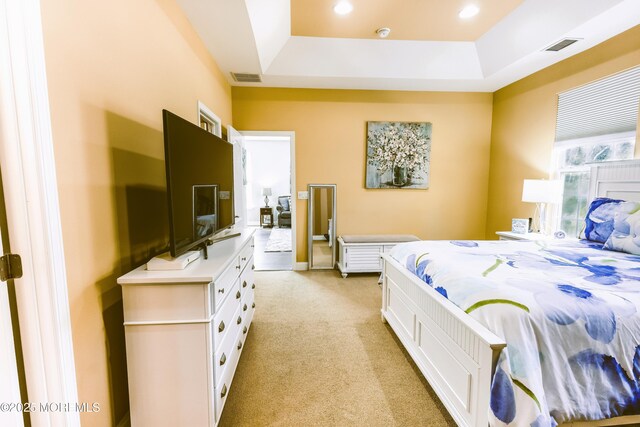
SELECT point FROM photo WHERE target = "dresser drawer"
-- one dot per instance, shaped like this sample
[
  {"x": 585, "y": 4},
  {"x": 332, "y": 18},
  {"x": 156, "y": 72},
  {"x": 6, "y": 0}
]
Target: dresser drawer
[
  {"x": 246, "y": 279},
  {"x": 225, "y": 348},
  {"x": 248, "y": 308},
  {"x": 224, "y": 320},
  {"x": 226, "y": 377},
  {"x": 244, "y": 259},
  {"x": 220, "y": 288}
]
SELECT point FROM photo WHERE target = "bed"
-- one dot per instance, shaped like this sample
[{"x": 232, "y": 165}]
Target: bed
[{"x": 561, "y": 344}]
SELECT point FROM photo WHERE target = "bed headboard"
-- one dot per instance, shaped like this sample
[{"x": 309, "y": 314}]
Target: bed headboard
[{"x": 617, "y": 180}]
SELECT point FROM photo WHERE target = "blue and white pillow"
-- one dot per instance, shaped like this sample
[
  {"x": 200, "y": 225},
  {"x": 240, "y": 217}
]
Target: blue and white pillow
[
  {"x": 626, "y": 232},
  {"x": 600, "y": 218}
]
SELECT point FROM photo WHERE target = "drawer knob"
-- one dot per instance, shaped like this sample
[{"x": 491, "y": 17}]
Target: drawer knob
[
  {"x": 238, "y": 295},
  {"x": 239, "y": 345},
  {"x": 223, "y": 359},
  {"x": 244, "y": 258},
  {"x": 221, "y": 291},
  {"x": 253, "y": 267},
  {"x": 252, "y": 246},
  {"x": 244, "y": 330},
  {"x": 223, "y": 393},
  {"x": 253, "y": 286},
  {"x": 238, "y": 267},
  {"x": 244, "y": 308},
  {"x": 253, "y": 305},
  {"x": 239, "y": 320},
  {"x": 221, "y": 326},
  {"x": 244, "y": 284}
]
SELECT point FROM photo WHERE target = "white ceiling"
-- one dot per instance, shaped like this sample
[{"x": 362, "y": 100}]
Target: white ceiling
[{"x": 254, "y": 36}]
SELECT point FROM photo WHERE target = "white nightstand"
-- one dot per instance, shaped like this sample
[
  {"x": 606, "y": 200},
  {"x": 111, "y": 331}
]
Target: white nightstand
[{"x": 509, "y": 235}]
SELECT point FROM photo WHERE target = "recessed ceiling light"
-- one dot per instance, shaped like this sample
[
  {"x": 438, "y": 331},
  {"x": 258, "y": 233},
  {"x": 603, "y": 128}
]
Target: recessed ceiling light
[
  {"x": 469, "y": 11},
  {"x": 343, "y": 8}
]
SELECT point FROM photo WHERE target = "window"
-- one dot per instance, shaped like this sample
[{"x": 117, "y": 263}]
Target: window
[
  {"x": 208, "y": 120},
  {"x": 595, "y": 123}
]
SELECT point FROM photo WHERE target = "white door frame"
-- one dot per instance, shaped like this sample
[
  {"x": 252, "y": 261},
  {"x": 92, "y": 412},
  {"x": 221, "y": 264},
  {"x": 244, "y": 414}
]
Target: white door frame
[
  {"x": 292, "y": 144},
  {"x": 33, "y": 214}
]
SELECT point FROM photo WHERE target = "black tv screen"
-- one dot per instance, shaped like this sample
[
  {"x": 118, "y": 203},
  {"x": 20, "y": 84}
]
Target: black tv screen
[{"x": 199, "y": 169}]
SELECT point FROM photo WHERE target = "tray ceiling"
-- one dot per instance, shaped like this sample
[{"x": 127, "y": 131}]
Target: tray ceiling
[
  {"x": 435, "y": 20},
  {"x": 503, "y": 43}
]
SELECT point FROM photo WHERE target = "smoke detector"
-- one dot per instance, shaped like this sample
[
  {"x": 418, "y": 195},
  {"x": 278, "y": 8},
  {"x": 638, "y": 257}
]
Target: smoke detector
[{"x": 383, "y": 32}]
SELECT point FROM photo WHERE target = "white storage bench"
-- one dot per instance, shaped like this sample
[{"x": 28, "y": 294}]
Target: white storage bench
[{"x": 361, "y": 253}]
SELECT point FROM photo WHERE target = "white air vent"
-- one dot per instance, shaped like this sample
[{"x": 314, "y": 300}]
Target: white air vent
[
  {"x": 561, "y": 45},
  {"x": 246, "y": 77}
]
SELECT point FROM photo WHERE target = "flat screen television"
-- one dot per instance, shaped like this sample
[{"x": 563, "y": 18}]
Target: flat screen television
[{"x": 199, "y": 168}]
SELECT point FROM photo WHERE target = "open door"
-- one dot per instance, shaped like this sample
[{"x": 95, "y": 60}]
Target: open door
[{"x": 239, "y": 176}]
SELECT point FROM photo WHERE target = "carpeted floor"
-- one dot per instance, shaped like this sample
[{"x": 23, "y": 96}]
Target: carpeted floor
[{"x": 317, "y": 354}]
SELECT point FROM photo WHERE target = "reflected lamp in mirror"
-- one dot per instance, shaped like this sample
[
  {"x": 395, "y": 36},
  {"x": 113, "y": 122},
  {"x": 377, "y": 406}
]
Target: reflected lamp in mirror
[
  {"x": 266, "y": 192},
  {"x": 541, "y": 192}
]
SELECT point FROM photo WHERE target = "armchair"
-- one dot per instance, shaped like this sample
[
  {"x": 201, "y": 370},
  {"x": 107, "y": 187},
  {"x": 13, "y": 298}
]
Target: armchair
[{"x": 284, "y": 211}]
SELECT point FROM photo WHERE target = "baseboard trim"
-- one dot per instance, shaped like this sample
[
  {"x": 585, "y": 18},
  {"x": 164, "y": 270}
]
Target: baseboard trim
[{"x": 301, "y": 266}]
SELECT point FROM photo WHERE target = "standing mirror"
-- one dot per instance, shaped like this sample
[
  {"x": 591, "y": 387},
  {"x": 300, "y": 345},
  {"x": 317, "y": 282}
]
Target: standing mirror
[{"x": 322, "y": 226}]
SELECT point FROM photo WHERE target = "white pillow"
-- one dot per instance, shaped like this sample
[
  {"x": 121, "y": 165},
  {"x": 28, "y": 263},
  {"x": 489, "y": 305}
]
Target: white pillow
[{"x": 626, "y": 233}]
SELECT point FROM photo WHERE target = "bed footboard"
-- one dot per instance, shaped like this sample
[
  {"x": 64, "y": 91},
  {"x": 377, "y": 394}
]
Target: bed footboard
[{"x": 455, "y": 353}]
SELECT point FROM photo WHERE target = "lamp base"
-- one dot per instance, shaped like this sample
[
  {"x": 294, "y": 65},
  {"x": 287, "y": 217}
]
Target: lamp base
[{"x": 266, "y": 201}]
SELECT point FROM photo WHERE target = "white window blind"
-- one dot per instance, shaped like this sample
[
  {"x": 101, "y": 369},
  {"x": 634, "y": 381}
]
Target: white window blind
[
  {"x": 595, "y": 123},
  {"x": 606, "y": 106}
]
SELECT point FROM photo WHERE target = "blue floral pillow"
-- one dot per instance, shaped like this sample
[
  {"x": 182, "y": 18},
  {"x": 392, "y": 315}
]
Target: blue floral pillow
[
  {"x": 626, "y": 233},
  {"x": 600, "y": 218}
]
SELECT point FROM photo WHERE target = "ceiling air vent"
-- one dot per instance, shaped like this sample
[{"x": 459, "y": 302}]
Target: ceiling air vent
[
  {"x": 246, "y": 77},
  {"x": 561, "y": 45}
]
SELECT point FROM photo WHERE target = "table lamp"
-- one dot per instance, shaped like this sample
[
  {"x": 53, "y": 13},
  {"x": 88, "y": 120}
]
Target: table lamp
[
  {"x": 541, "y": 192},
  {"x": 266, "y": 192}
]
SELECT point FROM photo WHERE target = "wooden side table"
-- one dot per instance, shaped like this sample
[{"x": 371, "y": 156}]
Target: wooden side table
[{"x": 266, "y": 217}]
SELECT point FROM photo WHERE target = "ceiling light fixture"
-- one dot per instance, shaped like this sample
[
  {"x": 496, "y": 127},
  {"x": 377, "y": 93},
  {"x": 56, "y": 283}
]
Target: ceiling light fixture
[
  {"x": 383, "y": 32},
  {"x": 343, "y": 8},
  {"x": 469, "y": 11}
]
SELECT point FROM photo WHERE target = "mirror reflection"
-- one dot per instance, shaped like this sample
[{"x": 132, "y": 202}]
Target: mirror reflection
[{"x": 322, "y": 226}]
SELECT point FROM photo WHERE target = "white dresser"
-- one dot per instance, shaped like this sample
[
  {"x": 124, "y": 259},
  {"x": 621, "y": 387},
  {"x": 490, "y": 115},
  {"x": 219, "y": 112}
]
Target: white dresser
[{"x": 185, "y": 331}]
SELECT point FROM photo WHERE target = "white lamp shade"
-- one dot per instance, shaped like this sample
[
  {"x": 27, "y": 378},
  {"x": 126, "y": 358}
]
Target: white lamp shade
[
  {"x": 541, "y": 191},
  {"x": 266, "y": 191}
]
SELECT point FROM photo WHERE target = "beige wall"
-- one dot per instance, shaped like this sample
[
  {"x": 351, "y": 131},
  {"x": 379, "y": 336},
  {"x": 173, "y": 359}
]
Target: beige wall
[
  {"x": 524, "y": 119},
  {"x": 112, "y": 67},
  {"x": 330, "y": 127}
]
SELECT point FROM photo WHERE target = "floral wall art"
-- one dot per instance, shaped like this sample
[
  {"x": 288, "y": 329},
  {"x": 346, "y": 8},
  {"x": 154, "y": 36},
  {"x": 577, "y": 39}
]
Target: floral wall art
[{"x": 398, "y": 154}]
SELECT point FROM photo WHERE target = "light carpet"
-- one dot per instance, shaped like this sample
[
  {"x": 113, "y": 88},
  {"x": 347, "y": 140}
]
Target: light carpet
[
  {"x": 279, "y": 240},
  {"x": 317, "y": 354}
]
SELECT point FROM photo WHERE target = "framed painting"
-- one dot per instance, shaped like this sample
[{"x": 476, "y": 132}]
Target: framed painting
[{"x": 398, "y": 155}]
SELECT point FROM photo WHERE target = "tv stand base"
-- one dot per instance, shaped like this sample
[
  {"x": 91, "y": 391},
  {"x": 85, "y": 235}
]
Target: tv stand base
[{"x": 166, "y": 262}]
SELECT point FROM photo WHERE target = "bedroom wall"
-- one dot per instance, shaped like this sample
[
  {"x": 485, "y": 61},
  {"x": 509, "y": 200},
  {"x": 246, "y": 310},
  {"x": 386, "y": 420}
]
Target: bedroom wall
[
  {"x": 330, "y": 144},
  {"x": 112, "y": 67},
  {"x": 524, "y": 120}
]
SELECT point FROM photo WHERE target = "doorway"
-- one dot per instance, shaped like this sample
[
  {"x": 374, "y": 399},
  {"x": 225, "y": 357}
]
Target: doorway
[{"x": 270, "y": 201}]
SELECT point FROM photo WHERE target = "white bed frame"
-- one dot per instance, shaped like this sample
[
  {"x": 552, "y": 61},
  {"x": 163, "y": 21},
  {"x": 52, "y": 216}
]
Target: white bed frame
[{"x": 455, "y": 353}]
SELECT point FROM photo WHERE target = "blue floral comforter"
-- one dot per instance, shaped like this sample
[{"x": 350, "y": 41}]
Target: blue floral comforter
[{"x": 569, "y": 312}]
